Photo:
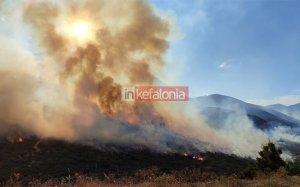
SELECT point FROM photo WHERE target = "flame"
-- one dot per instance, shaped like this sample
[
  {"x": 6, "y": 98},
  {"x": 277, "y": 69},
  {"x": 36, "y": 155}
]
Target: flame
[
  {"x": 198, "y": 158},
  {"x": 195, "y": 157},
  {"x": 20, "y": 140}
]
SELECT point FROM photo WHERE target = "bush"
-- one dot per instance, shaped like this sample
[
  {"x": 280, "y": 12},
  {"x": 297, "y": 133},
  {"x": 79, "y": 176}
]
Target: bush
[
  {"x": 293, "y": 168},
  {"x": 248, "y": 173},
  {"x": 269, "y": 158}
]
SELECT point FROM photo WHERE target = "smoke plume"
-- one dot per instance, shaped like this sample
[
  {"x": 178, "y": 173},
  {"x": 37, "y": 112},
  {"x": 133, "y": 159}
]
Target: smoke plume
[{"x": 71, "y": 90}]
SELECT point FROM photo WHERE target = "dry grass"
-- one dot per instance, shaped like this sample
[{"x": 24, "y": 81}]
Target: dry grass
[{"x": 151, "y": 177}]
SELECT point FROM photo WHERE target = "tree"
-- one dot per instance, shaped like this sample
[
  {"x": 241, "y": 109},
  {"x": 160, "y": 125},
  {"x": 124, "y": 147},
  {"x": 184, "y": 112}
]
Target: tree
[{"x": 269, "y": 158}]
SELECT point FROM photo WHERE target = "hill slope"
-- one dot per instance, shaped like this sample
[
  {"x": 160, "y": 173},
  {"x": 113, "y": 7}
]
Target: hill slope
[{"x": 44, "y": 159}]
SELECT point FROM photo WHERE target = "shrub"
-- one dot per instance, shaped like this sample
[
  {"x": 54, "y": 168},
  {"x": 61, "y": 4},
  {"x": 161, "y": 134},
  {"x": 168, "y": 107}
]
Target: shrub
[
  {"x": 293, "y": 168},
  {"x": 248, "y": 173},
  {"x": 269, "y": 158}
]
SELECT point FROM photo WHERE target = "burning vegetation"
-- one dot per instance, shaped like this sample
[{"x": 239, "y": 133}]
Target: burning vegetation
[
  {"x": 197, "y": 157},
  {"x": 35, "y": 159},
  {"x": 20, "y": 140}
]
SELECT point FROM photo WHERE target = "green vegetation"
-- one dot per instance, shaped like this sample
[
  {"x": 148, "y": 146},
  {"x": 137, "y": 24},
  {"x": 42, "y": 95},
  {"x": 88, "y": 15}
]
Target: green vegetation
[
  {"x": 293, "y": 167},
  {"x": 269, "y": 158}
]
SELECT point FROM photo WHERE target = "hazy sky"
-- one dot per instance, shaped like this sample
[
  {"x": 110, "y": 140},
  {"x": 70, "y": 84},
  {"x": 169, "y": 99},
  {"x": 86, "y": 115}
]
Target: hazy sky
[{"x": 249, "y": 49}]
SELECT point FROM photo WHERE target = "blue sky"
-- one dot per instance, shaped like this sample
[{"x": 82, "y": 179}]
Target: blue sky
[{"x": 246, "y": 49}]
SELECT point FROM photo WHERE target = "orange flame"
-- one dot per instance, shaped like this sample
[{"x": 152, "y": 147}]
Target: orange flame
[
  {"x": 198, "y": 158},
  {"x": 20, "y": 140},
  {"x": 195, "y": 157}
]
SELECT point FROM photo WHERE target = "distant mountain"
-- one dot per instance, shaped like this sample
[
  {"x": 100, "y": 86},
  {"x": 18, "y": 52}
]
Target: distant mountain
[
  {"x": 217, "y": 108},
  {"x": 292, "y": 110},
  {"x": 219, "y": 111},
  {"x": 278, "y": 107},
  {"x": 295, "y": 107}
]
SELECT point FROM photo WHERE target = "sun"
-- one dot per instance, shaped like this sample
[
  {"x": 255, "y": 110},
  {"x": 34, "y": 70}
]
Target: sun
[
  {"x": 78, "y": 31},
  {"x": 81, "y": 29}
]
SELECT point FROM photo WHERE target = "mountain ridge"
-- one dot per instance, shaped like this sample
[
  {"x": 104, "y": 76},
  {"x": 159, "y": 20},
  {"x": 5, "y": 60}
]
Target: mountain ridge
[{"x": 263, "y": 117}]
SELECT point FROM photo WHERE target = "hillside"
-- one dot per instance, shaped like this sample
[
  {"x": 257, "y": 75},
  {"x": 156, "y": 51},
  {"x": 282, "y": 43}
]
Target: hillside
[{"x": 43, "y": 159}]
